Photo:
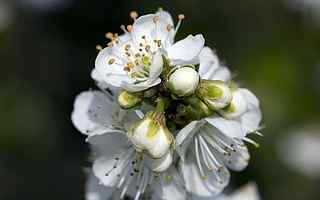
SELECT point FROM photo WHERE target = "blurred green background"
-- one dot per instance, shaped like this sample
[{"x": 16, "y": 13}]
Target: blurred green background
[{"x": 47, "y": 50}]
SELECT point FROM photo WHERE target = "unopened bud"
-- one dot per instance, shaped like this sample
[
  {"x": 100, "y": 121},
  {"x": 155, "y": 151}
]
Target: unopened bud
[
  {"x": 237, "y": 107},
  {"x": 129, "y": 100},
  {"x": 215, "y": 93},
  {"x": 151, "y": 134},
  {"x": 183, "y": 81}
]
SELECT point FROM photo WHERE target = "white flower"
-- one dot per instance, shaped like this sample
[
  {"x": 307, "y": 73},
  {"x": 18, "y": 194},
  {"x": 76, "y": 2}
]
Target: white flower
[
  {"x": 211, "y": 145},
  {"x": 183, "y": 81},
  {"x": 247, "y": 192},
  {"x": 117, "y": 164},
  {"x": 134, "y": 60}
]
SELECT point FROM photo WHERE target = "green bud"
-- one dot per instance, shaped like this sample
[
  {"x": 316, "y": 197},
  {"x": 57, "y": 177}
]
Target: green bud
[
  {"x": 198, "y": 106},
  {"x": 215, "y": 93},
  {"x": 129, "y": 100}
]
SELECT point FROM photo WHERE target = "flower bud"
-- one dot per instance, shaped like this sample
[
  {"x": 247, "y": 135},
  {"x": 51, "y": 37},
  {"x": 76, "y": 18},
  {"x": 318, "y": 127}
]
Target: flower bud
[
  {"x": 183, "y": 81},
  {"x": 200, "y": 108},
  {"x": 215, "y": 93},
  {"x": 151, "y": 134},
  {"x": 129, "y": 100},
  {"x": 237, "y": 107}
]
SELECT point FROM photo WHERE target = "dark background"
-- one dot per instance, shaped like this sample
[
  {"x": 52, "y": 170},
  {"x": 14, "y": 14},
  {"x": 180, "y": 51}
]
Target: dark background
[{"x": 47, "y": 50}]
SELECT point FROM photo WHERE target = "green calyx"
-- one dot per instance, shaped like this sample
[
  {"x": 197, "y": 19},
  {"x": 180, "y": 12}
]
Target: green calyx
[
  {"x": 129, "y": 100},
  {"x": 210, "y": 89}
]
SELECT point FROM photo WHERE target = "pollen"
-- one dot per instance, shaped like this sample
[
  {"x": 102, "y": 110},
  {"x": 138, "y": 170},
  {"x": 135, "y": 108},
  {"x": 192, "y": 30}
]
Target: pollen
[
  {"x": 129, "y": 28},
  {"x": 181, "y": 17},
  {"x": 111, "y": 61},
  {"x": 169, "y": 27},
  {"x": 109, "y": 35},
  {"x": 156, "y": 19},
  {"x": 134, "y": 14},
  {"x": 99, "y": 47}
]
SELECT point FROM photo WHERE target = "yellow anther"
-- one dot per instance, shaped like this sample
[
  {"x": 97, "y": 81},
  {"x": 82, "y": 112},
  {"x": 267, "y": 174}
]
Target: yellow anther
[
  {"x": 169, "y": 27},
  {"x": 99, "y": 47},
  {"x": 129, "y": 28},
  {"x": 111, "y": 61},
  {"x": 147, "y": 48},
  {"x": 181, "y": 16},
  {"x": 127, "y": 47},
  {"x": 133, "y": 14},
  {"x": 109, "y": 35},
  {"x": 110, "y": 44},
  {"x": 156, "y": 19}
]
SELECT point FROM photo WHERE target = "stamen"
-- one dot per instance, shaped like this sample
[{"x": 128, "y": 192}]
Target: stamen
[
  {"x": 134, "y": 15},
  {"x": 196, "y": 145},
  {"x": 156, "y": 19},
  {"x": 251, "y": 142},
  {"x": 129, "y": 28},
  {"x": 123, "y": 28},
  {"x": 213, "y": 158},
  {"x": 180, "y": 18},
  {"x": 109, "y": 36},
  {"x": 169, "y": 27},
  {"x": 111, "y": 61},
  {"x": 99, "y": 47}
]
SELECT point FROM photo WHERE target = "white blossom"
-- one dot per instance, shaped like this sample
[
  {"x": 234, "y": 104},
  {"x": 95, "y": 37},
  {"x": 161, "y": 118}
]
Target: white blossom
[
  {"x": 134, "y": 60},
  {"x": 116, "y": 164},
  {"x": 211, "y": 145}
]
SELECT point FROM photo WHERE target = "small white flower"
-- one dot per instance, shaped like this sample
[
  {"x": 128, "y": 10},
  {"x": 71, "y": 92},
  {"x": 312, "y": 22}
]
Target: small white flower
[
  {"x": 183, "y": 81},
  {"x": 211, "y": 145},
  {"x": 134, "y": 60},
  {"x": 117, "y": 164}
]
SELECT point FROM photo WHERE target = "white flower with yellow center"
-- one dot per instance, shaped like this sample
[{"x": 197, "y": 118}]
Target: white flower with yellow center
[
  {"x": 117, "y": 163},
  {"x": 134, "y": 60},
  {"x": 209, "y": 146}
]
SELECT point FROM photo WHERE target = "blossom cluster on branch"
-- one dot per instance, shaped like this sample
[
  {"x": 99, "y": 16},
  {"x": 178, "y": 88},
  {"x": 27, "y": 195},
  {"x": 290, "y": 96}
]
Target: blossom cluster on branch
[{"x": 168, "y": 122}]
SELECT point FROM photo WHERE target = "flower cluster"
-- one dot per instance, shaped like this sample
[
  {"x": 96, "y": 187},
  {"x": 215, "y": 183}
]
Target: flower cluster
[{"x": 168, "y": 122}]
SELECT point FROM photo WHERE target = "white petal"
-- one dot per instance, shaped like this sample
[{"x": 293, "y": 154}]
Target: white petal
[
  {"x": 109, "y": 144},
  {"x": 187, "y": 131},
  {"x": 140, "y": 86},
  {"x": 252, "y": 118},
  {"x": 145, "y": 26},
  {"x": 209, "y": 63},
  {"x": 230, "y": 128},
  {"x": 96, "y": 191},
  {"x": 156, "y": 66},
  {"x": 222, "y": 73},
  {"x": 92, "y": 113},
  {"x": 251, "y": 98},
  {"x": 185, "y": 137},
  {"x": 170, "y": 186},
  {"x": 186, "y": 51},
  {"x": 238, "y": 160},
  {"x": 114, "y": 91},
  {"x": 203, "y": 189},
  {"x": 103, "y": 170},
  {"x": 109, "y": 66},
  {"x": 161, "y": 164}
]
